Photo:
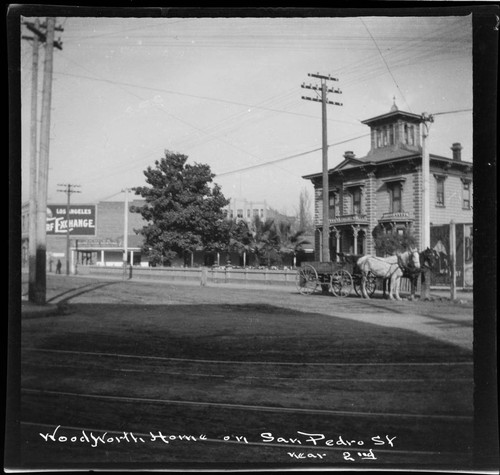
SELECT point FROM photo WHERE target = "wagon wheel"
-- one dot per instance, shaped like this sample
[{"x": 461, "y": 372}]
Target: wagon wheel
[
  {"x": 306, "y": 280},
  {"x": 341, "y": 283},
  {"x": 371, "y": 284}
]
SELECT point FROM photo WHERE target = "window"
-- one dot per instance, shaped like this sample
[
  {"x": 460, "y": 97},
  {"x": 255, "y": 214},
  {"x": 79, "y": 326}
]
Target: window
[
  {"x": 239, "y": 213},
  {"x": 440, "y": 190},
  {"x": 391, "y": 135},
  {"x": 412, "y": 135},
  {"x": 385, "y": 136},
  {"x": 379, "y": 138},
  {"x": 261, "y": 213},
  {"x": 466, "y": 195},
  {"x": 255, "y": 213},
  {"x": 248, "y": 213},
  {"x": 395, "y": 190},
  {"x": 231, "y": 214},
  {"x": 333, "y": 205},
  {"x": 356, "y": 201}
]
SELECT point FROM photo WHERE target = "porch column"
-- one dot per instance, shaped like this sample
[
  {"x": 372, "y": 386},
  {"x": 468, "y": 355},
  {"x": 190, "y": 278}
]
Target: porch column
[
  {"x": 320, "y": 231},
  {"x": 102, "y": 256},
  {"x": 337, "y": 242},
  {"x": 355, "y": 231},
  {"x": 131, "y": 258}
]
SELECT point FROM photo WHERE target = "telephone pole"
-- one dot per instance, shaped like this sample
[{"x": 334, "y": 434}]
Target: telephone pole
[
  {"x": 125, "y": 235},
  {"x": 325, "y": 251},
  {"x": 425, "y": 223},
  {"x": 39, "y": 177},
  {"x": 69, "y": 189},
  {"x": 33, "y": 163}
]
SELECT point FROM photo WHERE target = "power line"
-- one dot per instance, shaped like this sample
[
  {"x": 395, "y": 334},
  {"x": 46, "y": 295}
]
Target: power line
[
  {"x": 208, "y": 98},
  {"x": 289, "y": 157},
  {"x": 452, "y": 112},
  {"x": 385, "y": 62},
  {"x": 187, "y": 123}
]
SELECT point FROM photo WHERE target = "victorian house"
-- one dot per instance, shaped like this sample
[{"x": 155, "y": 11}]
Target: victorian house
[{"x": 384, "y": 188}]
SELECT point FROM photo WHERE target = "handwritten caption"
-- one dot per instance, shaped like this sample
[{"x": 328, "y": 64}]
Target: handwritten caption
[{"x": 356, "y": 449}]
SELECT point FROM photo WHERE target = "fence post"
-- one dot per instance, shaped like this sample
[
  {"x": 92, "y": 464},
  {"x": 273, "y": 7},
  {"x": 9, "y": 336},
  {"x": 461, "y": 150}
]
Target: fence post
[
  {"x": 453, "y": 261},
  {"x": 204, "y": 276}
]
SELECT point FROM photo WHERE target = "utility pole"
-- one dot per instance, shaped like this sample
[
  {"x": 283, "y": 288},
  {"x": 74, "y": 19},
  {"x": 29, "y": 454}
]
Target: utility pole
[
  {"x": 325, "y": 252},
  {"x": 68, "y": 191},
  {"x": 33, "y": 164},
  {"x": 125, "y": 235},
  {"x": 39, "y": 286},
  {"x": 425, "y": 223}
]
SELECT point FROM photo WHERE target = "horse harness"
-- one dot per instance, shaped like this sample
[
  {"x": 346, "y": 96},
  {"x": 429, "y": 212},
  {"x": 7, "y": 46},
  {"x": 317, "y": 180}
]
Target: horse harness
[{"x": 399, "y": 264}]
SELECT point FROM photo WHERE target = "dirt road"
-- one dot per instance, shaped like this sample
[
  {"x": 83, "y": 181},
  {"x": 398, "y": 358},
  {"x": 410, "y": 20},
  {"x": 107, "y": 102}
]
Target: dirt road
[{"x": 253, "y": 374}]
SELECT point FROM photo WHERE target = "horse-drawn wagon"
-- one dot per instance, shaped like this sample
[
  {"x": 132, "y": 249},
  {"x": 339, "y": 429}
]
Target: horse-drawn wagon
[{"x": 338, "y": 277}]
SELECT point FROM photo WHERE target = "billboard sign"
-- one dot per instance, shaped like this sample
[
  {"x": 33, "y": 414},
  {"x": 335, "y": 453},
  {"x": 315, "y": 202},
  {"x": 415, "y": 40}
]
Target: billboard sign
[{"x": 81, "y": 220}]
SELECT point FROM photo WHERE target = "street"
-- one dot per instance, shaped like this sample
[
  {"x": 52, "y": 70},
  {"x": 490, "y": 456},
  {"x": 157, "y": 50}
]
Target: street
[{"x": 215, "y": 375}]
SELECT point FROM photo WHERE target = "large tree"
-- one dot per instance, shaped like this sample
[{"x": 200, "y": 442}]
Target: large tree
[{"x": 183, "y": 209}]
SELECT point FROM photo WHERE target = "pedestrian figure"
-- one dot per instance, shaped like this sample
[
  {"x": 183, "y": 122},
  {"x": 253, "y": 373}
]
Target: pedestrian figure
[{"x": 58, "y": 267}]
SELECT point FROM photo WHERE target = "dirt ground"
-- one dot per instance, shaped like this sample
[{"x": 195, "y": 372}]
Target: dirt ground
[{"x": 245, "y": 377}]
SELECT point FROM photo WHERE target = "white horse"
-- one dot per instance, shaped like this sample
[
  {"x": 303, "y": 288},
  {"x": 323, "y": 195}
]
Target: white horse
[{"x": 391, "y": 268}]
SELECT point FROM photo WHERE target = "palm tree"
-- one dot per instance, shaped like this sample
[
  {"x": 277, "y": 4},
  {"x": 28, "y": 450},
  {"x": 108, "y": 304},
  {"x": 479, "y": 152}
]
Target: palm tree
[
  {"x": 266, "y": 239},
  {"x": 240, "y": 239},
  {"x": 291, "y": 243}
]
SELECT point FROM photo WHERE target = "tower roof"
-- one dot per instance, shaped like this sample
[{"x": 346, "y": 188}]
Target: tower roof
[{"x": 392, "y": 116}]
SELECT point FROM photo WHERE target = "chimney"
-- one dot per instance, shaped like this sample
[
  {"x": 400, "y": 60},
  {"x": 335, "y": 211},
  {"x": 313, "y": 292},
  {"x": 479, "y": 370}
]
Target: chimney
[
  {"x": 457, "y": 151},
  {"x": 348, "y": 154}
]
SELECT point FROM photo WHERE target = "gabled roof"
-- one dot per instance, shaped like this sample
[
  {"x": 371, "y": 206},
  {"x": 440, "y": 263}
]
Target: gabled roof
[
  {"x": 385, "y": 154},
  {"x": 353, "y": 163}
]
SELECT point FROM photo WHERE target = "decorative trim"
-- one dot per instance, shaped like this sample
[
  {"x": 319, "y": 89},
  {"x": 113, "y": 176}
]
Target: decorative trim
[
  {"x": 394, "y": 179},
  {"x": 353, "y": 184}
]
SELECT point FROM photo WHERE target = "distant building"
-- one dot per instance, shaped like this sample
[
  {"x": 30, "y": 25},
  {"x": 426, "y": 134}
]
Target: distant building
[
  {"x": 96, "y": 234},
  {"x": 384, "y": 190},
  {"x": 239, "y": 208}
]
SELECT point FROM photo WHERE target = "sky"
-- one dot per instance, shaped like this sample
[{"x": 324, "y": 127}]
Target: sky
[{"x": 227, "y": 92}]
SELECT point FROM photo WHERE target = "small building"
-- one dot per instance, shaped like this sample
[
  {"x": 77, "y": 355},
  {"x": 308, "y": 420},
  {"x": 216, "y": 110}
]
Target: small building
[
  {"x": 96, "y": 234},
  {"x": 383, "y": 191}
]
